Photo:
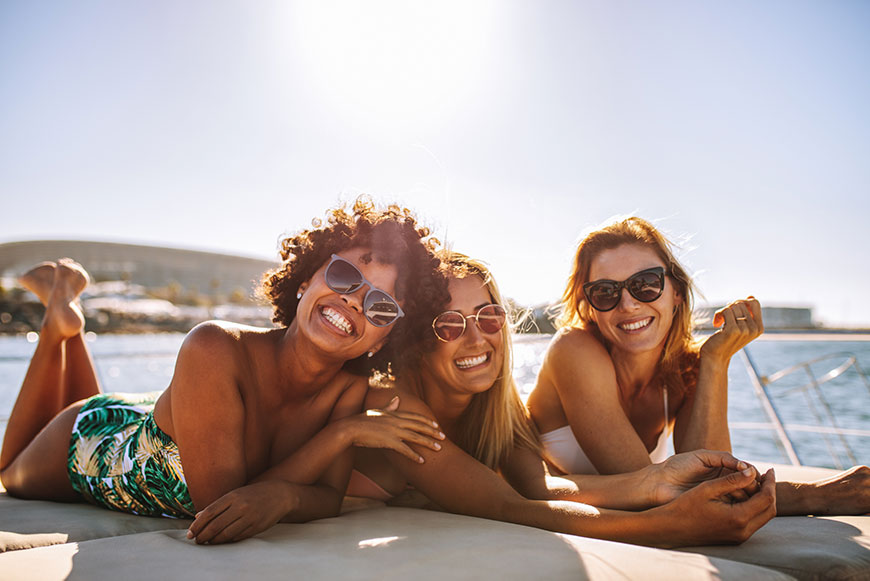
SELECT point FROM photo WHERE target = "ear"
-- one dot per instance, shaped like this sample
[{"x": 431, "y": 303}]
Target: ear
[{"x": 377, "y": 347}]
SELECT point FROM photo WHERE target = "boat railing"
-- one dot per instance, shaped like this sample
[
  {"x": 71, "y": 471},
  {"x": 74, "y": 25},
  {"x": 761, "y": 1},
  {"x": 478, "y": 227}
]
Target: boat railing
[{"x": 788, "y": 381}]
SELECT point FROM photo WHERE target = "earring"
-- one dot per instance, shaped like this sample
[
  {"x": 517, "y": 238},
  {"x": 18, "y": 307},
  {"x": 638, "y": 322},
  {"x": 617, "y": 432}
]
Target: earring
[
  {"x": 371, "y": 354},
  {"x": 299, "y": 295}
]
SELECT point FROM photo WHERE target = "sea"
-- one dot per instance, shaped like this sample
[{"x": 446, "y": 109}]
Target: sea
[{"x": 827, "y": 424}]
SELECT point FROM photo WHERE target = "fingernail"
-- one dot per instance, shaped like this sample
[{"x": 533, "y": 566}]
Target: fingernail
[
  {"x": 747, "y": 472},
  {"x": 189, "y": 534},
  {"x": 437, "y": 446},
  {"x": 434, "y": 424},
  {"x": 420, "y": 459},
  {"x": 441, "y": 435},
  {"x": 741, "y": 465}
]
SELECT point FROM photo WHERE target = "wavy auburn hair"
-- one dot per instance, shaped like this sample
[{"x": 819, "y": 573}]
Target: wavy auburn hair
[
  {"x": 496, "y": 421},
  {"x": 680, "y": 354},
  {"x": 394, "y": 237}
]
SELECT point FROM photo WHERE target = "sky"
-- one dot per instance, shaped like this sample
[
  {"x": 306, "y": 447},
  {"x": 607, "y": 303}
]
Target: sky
[{"x": 740, "y": 128}]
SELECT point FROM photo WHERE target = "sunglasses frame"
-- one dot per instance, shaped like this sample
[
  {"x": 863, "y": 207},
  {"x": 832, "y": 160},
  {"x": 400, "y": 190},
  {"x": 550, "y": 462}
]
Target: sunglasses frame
[
  {"x": 363, "y": 282},
  {"x": 475, "y": 316},
  {"x": 657, "y": 270}
]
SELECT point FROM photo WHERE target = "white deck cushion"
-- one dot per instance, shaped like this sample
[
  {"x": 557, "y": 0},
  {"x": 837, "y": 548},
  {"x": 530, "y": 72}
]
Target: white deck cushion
[{"x": 380, "y": 543}]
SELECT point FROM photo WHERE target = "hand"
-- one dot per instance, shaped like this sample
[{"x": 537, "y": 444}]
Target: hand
[
  {"x": 845, "y": 493},
  {"x": 683, "y": 472},
  {"x": 707, "y": 515},
  {"x": 741, "y": 323},
  {"x": 242, "y": 513},
  {"x": 393, "y": 430}
]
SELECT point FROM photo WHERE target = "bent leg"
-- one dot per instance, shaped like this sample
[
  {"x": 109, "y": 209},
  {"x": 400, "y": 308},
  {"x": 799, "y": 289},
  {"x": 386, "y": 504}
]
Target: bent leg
[
  {"x": 40, "y": 470},
  {"x": 44, "y": 392}
]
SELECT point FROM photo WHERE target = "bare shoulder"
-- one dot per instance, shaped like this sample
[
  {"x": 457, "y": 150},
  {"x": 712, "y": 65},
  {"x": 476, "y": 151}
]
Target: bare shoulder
[
  {"x": 212, "y": 335},
  {"x": 571, "y": 345},
  {"x": 210, "y": 349},
  {"x": 379, "y": 397}
]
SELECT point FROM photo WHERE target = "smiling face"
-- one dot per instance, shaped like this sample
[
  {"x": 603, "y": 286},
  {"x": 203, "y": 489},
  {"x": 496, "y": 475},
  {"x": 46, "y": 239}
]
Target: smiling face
[
  {"x": 472, "y": 363},
  {"x": 633, "y": 326},
  {"x": 335, "y": 322}
]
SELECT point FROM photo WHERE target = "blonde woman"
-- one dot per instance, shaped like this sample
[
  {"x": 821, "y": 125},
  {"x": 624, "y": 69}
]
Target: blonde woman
[{"x": 489, "y": 465}]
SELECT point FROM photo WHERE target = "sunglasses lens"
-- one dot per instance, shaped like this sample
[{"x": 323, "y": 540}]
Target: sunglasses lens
[
  {"x": 645, "y": 286},
  {"x": 603, "y": 295},
  {"x": 490, "y": 319},
  {"x": 449, "y": 326},
  {"x": 343, "y": 277},
  {"x": 380, "y": 308}
]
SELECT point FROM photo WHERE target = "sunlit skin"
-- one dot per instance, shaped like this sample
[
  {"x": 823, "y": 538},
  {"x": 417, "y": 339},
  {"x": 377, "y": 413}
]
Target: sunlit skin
[
  {"x": 687, "y": 508},
  {"x": 610, "y": 392},
  {"x": 244, "y": 405}
]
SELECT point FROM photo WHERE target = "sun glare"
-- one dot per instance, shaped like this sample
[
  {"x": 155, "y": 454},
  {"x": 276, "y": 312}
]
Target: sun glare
[{"x": 392, "y": 63}]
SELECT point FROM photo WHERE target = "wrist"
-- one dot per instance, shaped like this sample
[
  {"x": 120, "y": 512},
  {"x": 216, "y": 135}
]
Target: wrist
[
  {"x": 649, "y": 478},
  {"x": 714, "y": 362},
  {"x": 340, "y": 432}
]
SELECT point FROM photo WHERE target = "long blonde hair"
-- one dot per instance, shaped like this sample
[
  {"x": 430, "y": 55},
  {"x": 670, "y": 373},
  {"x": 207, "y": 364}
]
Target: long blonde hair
[
  {"x": 679, "y": 356},
  {"x": 496, "y": 421}
]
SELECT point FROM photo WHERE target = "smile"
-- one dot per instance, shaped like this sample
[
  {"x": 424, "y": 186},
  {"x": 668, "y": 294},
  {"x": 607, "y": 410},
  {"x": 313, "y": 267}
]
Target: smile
[
  {"x": 337, "y": 320},
  {"x": 636, "y": 325},
  {"x": 469, "y": 362}
]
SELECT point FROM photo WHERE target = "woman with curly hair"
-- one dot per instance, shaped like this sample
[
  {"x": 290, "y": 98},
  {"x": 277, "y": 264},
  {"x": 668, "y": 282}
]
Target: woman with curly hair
[
  {"x": 230, "y": 441},
  {"x": 625, "y": 371},
  {"x": 490, "y": 465}
]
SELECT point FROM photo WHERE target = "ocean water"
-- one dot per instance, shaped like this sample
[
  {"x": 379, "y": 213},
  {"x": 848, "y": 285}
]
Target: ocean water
[{"x": 138, "y": 363}]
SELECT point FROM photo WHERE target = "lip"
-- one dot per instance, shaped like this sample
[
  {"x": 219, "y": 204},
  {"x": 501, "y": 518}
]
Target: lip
[
  {"x": 635, "y": 325},
  {"x": 469, "y": 362},
  {"x": 333, "y": 317}
]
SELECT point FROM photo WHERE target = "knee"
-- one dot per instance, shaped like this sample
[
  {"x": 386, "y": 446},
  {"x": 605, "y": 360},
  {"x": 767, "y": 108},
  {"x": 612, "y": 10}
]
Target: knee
[{"x": 11, "y": 481}]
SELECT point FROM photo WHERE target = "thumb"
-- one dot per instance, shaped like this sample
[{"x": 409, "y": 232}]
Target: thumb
[
  {"x": 393, "y": 405},
  {"x": 731, "y": 483},
  {"x": 718, "y": 319}
]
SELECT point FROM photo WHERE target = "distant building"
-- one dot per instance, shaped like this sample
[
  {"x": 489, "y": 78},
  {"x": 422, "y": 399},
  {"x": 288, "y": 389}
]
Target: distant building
[
  {"x": 208, "y": 274},
  {"x": 774, "y": 317}
]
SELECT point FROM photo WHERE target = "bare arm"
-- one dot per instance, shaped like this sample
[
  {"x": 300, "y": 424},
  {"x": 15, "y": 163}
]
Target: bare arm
[
  {"x": 580, "y": 370},
  {"x": 458, "y": 483},
  {"x": 703, "y": 419},
  {"x": 651, "y": 486},
  {"x": 310, "y": 483},
  {"x": 208, "y": 414}
]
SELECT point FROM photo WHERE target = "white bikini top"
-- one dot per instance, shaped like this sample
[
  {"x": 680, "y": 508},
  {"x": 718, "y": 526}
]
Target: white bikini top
[{"x": 565, "y": 452}]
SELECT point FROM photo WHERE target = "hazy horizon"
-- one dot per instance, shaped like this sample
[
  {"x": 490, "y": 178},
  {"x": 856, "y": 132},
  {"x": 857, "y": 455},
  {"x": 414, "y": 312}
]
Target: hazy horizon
[{"x": 740, "y": 128}]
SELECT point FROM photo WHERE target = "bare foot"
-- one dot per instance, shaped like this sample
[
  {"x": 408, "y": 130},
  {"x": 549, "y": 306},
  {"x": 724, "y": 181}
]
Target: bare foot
[
  {"x": 63, "y": 315},
  {"x": 39, "y": 280}
]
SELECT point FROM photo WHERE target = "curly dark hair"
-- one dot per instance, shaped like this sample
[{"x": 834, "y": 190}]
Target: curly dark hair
[{"x": 394, "y": 237}]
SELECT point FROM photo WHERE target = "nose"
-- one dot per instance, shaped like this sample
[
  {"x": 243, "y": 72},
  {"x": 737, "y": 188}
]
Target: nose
[
  {"x": 355, "y": 299},
  {"x": 472, "y": 334},
  {"x": 626, "y": 301}
]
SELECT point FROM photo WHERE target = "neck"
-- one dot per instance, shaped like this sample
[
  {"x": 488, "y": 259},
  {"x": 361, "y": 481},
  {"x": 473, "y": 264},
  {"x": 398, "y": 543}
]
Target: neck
[
  {"x": 303, "y": 369},
  {"x": 447, "y": 407},
  {"x": 635, "y": 371}
]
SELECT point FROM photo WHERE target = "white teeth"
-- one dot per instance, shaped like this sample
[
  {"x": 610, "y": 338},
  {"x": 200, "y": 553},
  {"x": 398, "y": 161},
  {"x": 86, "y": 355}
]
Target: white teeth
[
  {"x": 467, "y": 362},
  {"x": 636, "y": 325},
  {"x": 337, "y": 320}
]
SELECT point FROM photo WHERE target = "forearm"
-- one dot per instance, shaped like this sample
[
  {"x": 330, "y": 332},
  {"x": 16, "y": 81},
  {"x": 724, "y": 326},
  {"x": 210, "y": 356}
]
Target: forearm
[
  {"x": 629, "y": 491},
  {"x": 651, "y": 527},
  {"x": 307, "y": 464},
  {"x": 707, "y": 427},
  {"x": 310, "y": 502}
]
